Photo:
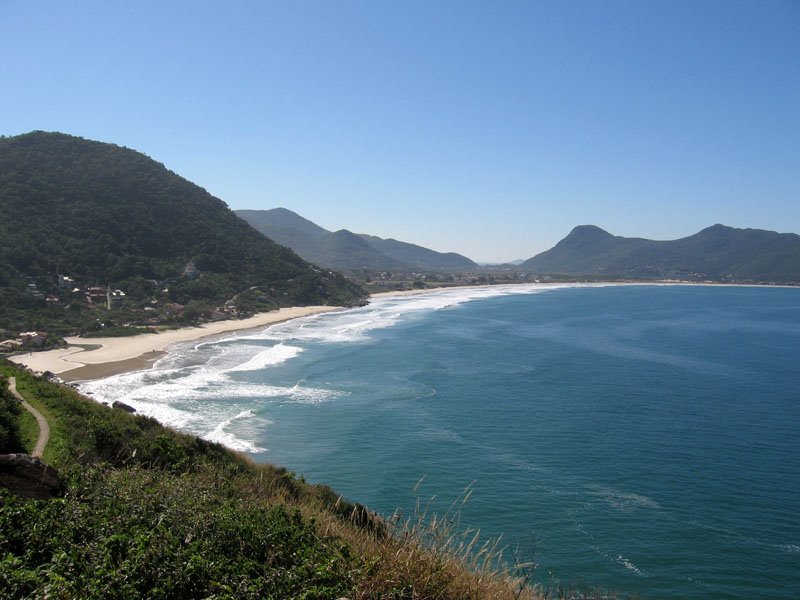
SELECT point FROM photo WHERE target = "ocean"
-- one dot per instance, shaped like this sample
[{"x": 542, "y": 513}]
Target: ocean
[{"x": 640, "y": 439}]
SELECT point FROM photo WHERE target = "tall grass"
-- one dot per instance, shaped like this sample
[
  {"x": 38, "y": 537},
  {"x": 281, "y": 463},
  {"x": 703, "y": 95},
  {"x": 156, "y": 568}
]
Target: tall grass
[{"x": 431, "y": 555}]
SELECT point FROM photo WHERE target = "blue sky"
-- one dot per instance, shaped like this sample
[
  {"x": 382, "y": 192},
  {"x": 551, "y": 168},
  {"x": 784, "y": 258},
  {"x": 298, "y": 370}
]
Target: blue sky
[{"x": 486, "y": 128}]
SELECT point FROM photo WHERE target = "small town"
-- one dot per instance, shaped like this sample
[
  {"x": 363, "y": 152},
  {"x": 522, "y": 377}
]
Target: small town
[{"x": 110, "y": 311}]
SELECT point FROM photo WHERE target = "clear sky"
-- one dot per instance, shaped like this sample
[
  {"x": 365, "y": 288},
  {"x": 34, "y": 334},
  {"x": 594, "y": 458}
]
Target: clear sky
[{"x": 486, "y": 128}]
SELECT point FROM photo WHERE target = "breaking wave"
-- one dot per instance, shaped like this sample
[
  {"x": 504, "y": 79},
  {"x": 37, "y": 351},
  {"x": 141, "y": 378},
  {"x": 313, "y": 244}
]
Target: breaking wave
[
  {"x": 222, "y": 435},
  {"x": 197, "y": 385}
]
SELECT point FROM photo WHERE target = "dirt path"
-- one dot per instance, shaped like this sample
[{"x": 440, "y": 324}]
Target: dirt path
[{"x": 44, "y": 427}]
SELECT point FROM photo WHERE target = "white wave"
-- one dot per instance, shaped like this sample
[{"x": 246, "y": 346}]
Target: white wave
[
  {"x": 229, "y": 439},
  {"x": 306, "y": 395},
  {"x": 354, "y": 325},
  {"x": 444, "y": 299},
  {"x": 195, "y": 382},
  {"x": 790, "y": 548},
  {"x": 272, "y": 356},
  {"x": 151, "y": 394},
  {"x": 167, "y": 415},
  {"x": 197, "y": 370},
  {"x": 343, "y": 327}
]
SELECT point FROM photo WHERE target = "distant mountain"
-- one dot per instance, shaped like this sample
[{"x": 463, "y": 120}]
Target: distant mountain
[
  {"x": 718, "y": 253},
  {"x": 282, "y": 222},
  {"x": 346, "y": 250},
  {"x": 105, "y": 215},
  {"x": 339, "y": 250},
  {"x": 417, "y": 256}
]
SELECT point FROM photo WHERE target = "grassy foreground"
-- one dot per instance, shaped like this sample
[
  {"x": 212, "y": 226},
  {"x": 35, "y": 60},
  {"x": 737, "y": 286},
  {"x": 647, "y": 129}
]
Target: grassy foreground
[{"x": 149, "y": 512}]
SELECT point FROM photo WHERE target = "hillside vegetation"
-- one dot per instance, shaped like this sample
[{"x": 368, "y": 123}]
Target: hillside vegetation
[
  {"x": 346, "y": 250},
  {"x": 148, "y": 512},
  {"x": 79, "y": 213},
  {"x": 716, "y": 253}
]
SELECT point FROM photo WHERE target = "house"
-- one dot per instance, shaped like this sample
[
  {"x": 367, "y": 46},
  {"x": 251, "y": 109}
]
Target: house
[
  {"x": 115, "y": 298},
  {"x": 33, "y": 338},
  {"x": 96, "y": 295},
  {"x": 9, "y": 345}
]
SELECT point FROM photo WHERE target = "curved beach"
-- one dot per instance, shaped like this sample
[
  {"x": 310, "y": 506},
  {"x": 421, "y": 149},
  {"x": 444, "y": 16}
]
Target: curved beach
[
  {"x": 95, "y": 358},
  {"x": 86, "y": 359}
]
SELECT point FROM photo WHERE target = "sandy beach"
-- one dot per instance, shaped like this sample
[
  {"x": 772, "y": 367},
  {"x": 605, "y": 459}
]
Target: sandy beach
[{"x": 95, "y": 358}]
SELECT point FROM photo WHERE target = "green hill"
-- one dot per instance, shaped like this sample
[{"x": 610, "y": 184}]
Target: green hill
[
  {"x": 716, "y": 253},
  {"x": 108, "y": 216},
  {"x": 350, "y": 251},
  {"x": 419, "y": 257},
  {"x": 346, "y": 250},
  {"x": 284, "y": 222}
]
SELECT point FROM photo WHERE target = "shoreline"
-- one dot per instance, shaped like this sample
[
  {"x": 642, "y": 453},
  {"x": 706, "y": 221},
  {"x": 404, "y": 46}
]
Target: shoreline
[{"x": 86, "y": 359}]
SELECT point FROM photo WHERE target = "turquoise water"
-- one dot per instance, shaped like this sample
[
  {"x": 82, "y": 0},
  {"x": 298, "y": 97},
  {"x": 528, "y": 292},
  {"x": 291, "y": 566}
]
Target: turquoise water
[{"x": 637, "y": 438}]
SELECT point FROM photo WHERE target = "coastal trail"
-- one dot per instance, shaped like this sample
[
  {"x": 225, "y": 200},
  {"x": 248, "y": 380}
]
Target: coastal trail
[{"x": 44, "y": 427}]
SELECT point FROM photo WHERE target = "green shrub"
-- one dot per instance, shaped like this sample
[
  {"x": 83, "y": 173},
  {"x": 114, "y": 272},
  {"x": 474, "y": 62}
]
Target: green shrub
[
  {"x": 141, "y": 533},
  {"x": 10, "y": 435}
]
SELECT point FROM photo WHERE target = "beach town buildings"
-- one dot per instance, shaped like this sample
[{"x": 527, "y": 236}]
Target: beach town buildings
[
  {"x": 10, "y": 345},
  {"x": 104, "y": 296},
  {"x": 96, "y": 295},
  {"x": 24, "y": 341}
]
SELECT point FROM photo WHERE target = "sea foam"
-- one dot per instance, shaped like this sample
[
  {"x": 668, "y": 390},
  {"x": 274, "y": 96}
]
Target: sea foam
[
  {"x": 195, "y": 384},
  {"x": 272, "y": 356},
  {"x": 221, "y": 435}
]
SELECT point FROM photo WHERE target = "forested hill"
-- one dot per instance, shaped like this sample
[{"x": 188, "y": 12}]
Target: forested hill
[
  {"x": 104, "y": 215},
  {"x": 346, "y": 250},
  {"x": 716, "y": 253}
]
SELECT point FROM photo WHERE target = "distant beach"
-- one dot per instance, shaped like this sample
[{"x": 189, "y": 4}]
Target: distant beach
[
  {"x": 86, "y": 359},
  {"x": 95, "y": 358}
]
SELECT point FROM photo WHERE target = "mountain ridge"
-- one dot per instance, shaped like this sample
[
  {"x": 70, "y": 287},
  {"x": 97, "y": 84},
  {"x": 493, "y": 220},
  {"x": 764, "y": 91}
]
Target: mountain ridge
[
  {"x": 104, "y": 215},
  {"x": 339, "y": 249},
  {"x": 718, "y": 252}
]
